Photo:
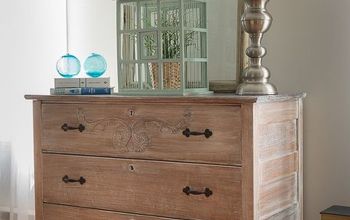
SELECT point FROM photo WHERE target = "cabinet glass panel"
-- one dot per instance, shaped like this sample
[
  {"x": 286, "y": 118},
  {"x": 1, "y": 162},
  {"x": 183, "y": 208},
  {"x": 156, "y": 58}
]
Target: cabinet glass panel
[
  {"x": 149, "y": 14},
  {"x": 170, "y": 13},
  {"x": 128, "y": 46},
  {"x": 171, "y": 75},
  {"x": 194, "y": 14},
  {"x": 171, "y": 44},
  {"x": 149, "y": 45},
  {"x": 129, "y": 76},
  {"x": 195, "y": 44},
  {"x": 195, "y": 74},
  {"x": 128, "y": 16},
  {"x": 150, "y": 73}
]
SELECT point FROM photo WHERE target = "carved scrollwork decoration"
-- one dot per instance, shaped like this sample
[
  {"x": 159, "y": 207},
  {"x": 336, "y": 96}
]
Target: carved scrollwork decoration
[{"x": 133, "y": 133}]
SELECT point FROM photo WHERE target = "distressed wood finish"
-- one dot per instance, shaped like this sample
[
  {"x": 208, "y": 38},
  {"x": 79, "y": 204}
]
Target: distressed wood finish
[
  {"x": 277, "y": 139},
  {"x": 146, "y": 187},
  {"x": 287, "y": 214},
  {"x": 136, "y": 160},
  {"x": 218, "y": 99},
  {"x": 248, "y": 163},
  {"x": 301, "y": 158},
  {"x": 60, "y": 212},
  {"x": 148, "y": 132},
  {"x": 278, "y": 167},
  {"x": 38, "y": 161}
]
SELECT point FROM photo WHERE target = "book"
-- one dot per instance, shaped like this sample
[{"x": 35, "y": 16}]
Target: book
[
  {"x": 97, "y": 82},
  {"x": 69, "y": 82},
  {"x": 103, "y": 82},
  {"x": 81, "y": 91}
]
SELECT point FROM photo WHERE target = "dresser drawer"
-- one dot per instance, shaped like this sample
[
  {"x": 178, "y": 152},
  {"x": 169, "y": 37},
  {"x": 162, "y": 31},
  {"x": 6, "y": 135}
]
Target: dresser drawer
[
  {"x": 175, "y": 190},
  {"x": 208, "y": 134},
  {"x": 59, "y": 212}
]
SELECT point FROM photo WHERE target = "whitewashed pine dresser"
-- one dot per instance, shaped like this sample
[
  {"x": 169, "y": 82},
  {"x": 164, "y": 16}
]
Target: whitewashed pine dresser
[{"x": 217, "y": 157}]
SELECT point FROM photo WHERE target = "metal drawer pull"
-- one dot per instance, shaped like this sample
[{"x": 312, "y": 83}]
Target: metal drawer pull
[
  {"x": 207, "y": 192},
  {"x": 66, "y": 127},
  {"x": 81, "y": 180},
  {"x": 207, "y": 133}
]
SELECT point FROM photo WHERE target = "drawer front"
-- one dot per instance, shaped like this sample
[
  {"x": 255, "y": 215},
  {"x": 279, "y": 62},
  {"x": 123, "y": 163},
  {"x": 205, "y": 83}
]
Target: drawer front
[
  {"x": 209, "y": 134},
  {"x": 59, "y": 212},
  {"x": 174, "y": 190}
]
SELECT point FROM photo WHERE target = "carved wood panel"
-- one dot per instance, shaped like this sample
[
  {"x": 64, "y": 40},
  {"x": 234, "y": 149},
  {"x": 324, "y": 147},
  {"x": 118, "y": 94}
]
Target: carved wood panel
[{"x": 132, "y": 132}]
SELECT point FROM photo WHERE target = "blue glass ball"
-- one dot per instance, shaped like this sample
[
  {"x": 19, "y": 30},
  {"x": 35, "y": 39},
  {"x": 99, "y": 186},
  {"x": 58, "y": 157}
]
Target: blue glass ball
[
  {"x": 68, "y": 66},
  {"x": 95, "y": 65}
]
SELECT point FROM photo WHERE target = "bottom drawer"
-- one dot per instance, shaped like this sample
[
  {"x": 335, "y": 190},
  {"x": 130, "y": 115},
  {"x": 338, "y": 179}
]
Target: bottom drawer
[
  {"x": 175, "y": 190},
  {"x": 58, "y": 212}
]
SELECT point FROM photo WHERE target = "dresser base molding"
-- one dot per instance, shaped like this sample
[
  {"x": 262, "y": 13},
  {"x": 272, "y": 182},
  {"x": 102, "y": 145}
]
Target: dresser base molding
[{"x": 211, "y": 157}]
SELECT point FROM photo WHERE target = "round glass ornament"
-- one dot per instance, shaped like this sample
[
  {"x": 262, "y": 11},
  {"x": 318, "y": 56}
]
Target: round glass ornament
[
  {"x": 95, "y": 65},
  {"x": 68, "y": 66}
]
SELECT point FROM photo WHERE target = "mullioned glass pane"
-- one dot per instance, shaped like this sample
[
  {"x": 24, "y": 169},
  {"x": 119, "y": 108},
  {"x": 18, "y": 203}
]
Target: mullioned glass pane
[
  {"x": 149, "y": 14},
  {"x": 128, "y": 16}
]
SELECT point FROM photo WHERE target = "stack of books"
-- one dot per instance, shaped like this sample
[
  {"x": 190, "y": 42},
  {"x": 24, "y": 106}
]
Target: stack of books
[{"x": 82, "y": 86}]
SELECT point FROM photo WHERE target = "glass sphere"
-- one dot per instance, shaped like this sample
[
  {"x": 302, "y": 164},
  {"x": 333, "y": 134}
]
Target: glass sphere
[
  {"x": 68, "y": 66},
  {"x": 95, "y": 65}
]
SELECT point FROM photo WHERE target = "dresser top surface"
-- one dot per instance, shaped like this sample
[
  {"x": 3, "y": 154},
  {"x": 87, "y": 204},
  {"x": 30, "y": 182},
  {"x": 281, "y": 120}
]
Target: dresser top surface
[{"x": 211, "y": 98}]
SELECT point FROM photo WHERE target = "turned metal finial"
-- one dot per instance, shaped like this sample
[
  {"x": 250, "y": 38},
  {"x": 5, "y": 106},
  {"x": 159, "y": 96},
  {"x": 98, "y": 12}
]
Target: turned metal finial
[{"x": 255, "y": 77}]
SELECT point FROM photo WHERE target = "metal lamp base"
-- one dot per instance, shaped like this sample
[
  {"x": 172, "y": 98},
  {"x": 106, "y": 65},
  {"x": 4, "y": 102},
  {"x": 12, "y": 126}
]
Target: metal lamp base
[
  {"x": 255, "y": 77},
  {"x": 256, "y": 89}
]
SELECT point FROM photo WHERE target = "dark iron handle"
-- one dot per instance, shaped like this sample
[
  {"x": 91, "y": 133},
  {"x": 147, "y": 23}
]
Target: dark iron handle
[
  {"x": 207, "y": 133},
  {"x": 81, "y": 180},
  {"x": 207, "y": 192},
  {"x": 66, "y": 127}
]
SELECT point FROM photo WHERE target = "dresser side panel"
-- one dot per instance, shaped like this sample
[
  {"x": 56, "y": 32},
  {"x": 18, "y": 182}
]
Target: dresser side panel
[
  {"x": 278, "y": 164},
  {"x": 301, "y": 158},
  {"x": 38, "y": 160}
]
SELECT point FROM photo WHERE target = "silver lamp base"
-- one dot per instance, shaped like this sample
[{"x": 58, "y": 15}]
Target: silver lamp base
[
  {"x": 256, "y": 89},
  {"x": 255, "y": 77}
]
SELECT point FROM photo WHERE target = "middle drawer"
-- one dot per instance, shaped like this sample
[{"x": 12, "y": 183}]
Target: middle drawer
[{"x": 176, "y": 190}]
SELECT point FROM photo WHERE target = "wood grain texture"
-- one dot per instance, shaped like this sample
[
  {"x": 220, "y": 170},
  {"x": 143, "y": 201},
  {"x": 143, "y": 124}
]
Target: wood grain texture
[
  {"x": 199, "y": 99},
  {"x": 38, "y": 161},
  {"x": 152, "y": 188},
  {"x": 248, "y": 184},
  {"x": 279, "y": 167},
  {"x": 277, "y": 196},
  {"x": 277, "y": 139},
  {"x": 60, "y": 212},
  {"x": 277, "y": 112},
  {"x": 252, "y": 163},
  {"x": 287, "y": 214},
  {"x": 152, "y": 132}
]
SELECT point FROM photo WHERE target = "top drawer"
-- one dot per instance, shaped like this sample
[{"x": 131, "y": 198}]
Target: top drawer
[{"x": 209, "y": 134}]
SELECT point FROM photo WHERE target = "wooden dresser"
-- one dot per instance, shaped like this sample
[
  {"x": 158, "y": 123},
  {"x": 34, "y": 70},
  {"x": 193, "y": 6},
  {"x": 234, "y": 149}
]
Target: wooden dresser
[{"x": 217, "y": 157}]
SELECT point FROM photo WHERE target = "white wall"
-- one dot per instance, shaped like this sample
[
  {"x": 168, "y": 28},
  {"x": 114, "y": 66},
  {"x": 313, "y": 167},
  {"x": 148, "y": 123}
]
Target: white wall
[
  {"x": 92, "y": 29},
  {"x": 309, "y": 50},
  {"x": 31, "y": 40}
]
